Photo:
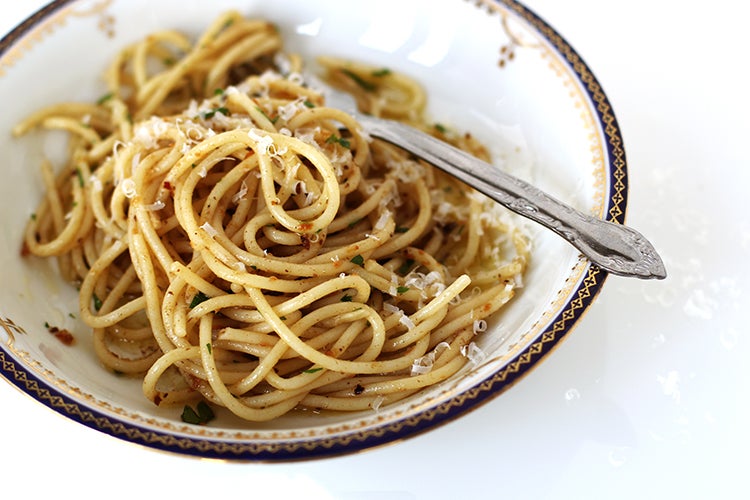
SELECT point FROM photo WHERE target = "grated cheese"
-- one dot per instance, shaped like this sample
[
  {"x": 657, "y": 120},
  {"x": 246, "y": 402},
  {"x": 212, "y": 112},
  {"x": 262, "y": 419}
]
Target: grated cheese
[
  {"x": 269, "y": 76},
  {"x": 288, "y": 111},
  {"x": 307, "y": 135},
  {"x": 157, "y": 205},
  {"x": 393, "y": 289},
  {"x": 473, "y": 353},
  {"x": 296, "y": 78},
  {"x": 282, "y": 62},
  {"x": 407, "y": 171},
  {"x": 383, "y": 220},
  {"x": 309, "y": 198},
  {"x": 264, "y": 142},
  {"x": 147, "y": 134},
  {"x": 392, "y": 308},
  {"x": 406, "y": 321},
  {"x": 209, "y": 229},
  {"x": 429, "y": 284},
  {"x": 128, "y": 188},
  {"x": 423, "y": 365},
  {"x": 479, "y": 326},
  {"x": 240, "y": 195},
  {"x": 377, "y": 402},
  {"x": 96, "y": 183}
]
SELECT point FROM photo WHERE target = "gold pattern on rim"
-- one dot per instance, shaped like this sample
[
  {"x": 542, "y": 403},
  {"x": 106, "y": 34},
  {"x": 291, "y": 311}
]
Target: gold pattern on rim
[
  {"x": 45, "y": 25},
  {"x": 611, "y": 130},
  {"x": 11, "y": 329}
]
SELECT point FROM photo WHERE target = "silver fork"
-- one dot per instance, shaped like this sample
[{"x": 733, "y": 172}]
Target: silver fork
[{"x": 612, "y": 247}]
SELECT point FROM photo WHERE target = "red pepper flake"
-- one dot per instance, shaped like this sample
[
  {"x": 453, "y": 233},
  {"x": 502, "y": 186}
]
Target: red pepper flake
[
  {"x": 487, "y": 307},
  {"x": 25, "y": 252},
  {"x": 305, "y": 240},
  {"x": 305, "y": 227},
  {"x": 193, "y": 382},
  {"x": 62, "y": 334},
  {"x": 168, "y": 186}
]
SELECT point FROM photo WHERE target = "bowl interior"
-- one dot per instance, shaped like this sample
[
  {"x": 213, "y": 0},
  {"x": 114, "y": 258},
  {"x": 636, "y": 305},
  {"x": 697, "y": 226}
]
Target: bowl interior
[{"x": 492, "y": 73}]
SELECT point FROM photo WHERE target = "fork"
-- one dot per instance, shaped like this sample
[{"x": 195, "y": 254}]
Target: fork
[{"x": 612, "y": 247}]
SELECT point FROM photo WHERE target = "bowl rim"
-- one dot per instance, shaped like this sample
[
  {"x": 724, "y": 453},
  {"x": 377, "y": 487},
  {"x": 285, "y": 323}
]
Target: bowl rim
[{"x": 583, "y": 294}]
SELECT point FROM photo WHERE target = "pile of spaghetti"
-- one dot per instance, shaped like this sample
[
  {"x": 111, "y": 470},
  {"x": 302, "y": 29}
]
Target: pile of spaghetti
[{"x": 235, "y": 240}]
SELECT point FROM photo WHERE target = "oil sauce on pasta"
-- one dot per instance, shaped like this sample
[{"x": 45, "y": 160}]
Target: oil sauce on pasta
[{"x": 237, "y": 242}]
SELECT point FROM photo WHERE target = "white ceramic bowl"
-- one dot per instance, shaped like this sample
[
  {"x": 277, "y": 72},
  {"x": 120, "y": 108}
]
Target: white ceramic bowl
[{"x": 491, "y": 67}]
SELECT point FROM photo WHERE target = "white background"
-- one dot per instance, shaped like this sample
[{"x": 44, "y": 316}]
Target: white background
[{"x": 649, "y": 397}]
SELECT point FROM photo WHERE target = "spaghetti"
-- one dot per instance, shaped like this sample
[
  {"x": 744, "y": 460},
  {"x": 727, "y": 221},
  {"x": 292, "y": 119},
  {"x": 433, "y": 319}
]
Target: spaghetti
[{"x": 236, "y": 240}]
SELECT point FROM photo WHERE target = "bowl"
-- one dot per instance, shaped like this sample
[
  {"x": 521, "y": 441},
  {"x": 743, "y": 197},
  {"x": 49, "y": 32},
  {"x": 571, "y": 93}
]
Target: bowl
[{"x": 493, "y": 68}]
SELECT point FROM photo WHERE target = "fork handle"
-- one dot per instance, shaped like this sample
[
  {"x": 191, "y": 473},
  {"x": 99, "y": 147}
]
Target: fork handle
[{"x": 612, "y": 247}]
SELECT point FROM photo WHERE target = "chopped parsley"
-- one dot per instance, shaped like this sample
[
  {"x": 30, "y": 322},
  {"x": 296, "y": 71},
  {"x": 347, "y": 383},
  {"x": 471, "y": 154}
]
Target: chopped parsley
[
  {"x": 405, "y": 267},
  {"x": 381, "y": 72},
  {"x": 97, "y": 302},
  {"x": 80, "y": 177},
  {"x": 227, "y": 24},
  {"x": 346, "y": 298},
  {"x": 309, "y": 104},
  {"x": 333, "y": 139},
  {"x": 358, "y": 259},
  {"x": 208, "y": 347},
  {"x": 201, "y": 415},
  {"x": 272, "y": 120},
  {"x": 106, "y": 97},
  {"x": 402, "y": 229},
  {"x": 441, "y": 128},
  {"x": 210, "y": 114},
  {"x": 354, "y": 222},
  {"x": 402, "y": 289},
  {"x": 364, "y": 84},
  {"x": 313, "y": 370},
  {"x": 199, "y": 298},
  {"x": 218, "y": 91}
]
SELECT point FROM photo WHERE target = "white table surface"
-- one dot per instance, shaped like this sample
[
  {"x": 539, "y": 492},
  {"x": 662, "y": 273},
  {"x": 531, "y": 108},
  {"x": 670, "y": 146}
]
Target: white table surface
[{"x": 649, "y": 397}]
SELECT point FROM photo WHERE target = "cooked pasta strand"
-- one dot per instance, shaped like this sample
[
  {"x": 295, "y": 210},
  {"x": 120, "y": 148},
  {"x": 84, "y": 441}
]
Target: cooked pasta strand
[{"x": 235, "y": 239}]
